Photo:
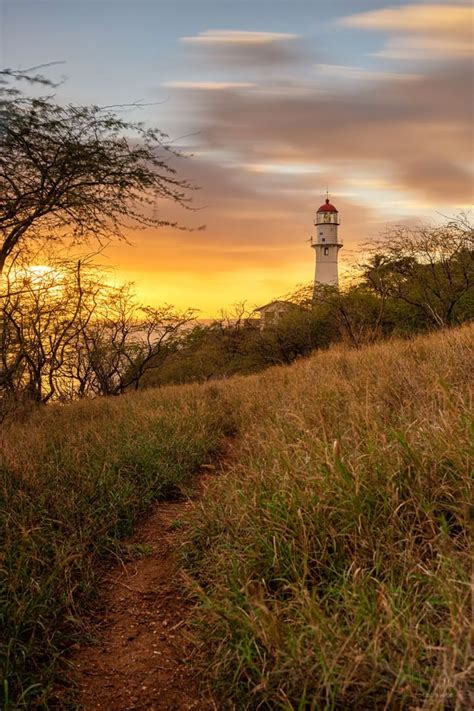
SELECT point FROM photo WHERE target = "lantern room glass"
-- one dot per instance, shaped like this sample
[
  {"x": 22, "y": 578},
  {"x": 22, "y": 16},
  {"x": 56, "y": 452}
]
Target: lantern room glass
[{"x": 327, "y": 217}]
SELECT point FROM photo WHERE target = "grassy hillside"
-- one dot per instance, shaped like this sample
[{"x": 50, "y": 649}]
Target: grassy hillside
[
  {"x": 332, "y": 558},
  {"x": 72, "y": 482}
]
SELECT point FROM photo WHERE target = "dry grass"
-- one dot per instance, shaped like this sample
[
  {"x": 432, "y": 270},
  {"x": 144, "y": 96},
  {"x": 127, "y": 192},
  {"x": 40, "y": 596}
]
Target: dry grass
[
  {"x": 72, "y": 482},
  {"x": 333, "y": 558}
]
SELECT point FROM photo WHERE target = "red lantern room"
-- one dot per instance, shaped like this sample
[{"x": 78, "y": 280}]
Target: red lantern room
[{"x": 327, "y": 214}]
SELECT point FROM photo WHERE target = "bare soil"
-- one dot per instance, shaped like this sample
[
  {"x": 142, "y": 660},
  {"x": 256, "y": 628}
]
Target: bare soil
[{"x": 143, "y": 657}]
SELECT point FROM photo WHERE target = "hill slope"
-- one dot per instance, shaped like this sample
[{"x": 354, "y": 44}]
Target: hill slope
[
  {"x": 332, "y": 558},
  {"x": 73, "y": 480}
]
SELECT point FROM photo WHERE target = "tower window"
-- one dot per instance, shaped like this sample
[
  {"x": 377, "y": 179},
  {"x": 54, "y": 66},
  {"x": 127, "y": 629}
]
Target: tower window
[{"x": 326, "y": 250}]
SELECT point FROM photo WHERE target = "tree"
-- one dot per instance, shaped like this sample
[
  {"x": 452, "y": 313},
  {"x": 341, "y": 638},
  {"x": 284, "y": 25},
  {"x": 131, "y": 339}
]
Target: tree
[
  {"x": 429, "y": 268},
  {"x": 78, "y": 171},
  {"x": 42, "y": 312},
  {"x": 214, "y": 350},
  {"x": 66, "y": 334},
  {"x": 124, "y": 341},
  {"x": 354, "y": 315}
]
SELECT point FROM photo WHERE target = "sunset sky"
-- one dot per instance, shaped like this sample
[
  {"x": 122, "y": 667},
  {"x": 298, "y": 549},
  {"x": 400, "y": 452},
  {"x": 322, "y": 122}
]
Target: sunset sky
[{"x": 276, "y": 100}]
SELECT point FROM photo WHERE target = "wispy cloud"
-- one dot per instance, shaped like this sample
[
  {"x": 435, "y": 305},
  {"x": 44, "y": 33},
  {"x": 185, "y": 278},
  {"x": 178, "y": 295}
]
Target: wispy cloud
[
  {"x": 422, "y": 142},
  {"x": 419, "y": 31},
  {"x": 416, "y": 18},
  {"x": 238, "y": 49},
  {"x": 283, "y": 168},
  {"x": 219, "y": 37},
  {"x": 208, "y": 85},
  {"x": 424, "y": 48},
  {"x": 348, "y": 73}
]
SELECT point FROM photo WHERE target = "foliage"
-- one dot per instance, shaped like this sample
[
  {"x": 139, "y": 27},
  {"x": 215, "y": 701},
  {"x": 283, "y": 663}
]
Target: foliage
[
  {"x": 65, "y": 333},
  {"x": 237, "y": 345},
  {"x": 429, "y": 268},
  {"x": 416, "y": 279},
  {"x": 80, "y": 172}
]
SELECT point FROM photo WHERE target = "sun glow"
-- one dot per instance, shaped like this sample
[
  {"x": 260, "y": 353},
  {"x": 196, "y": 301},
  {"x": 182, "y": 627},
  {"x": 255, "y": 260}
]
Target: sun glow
[
  {"x": 36, "y": 277},
  {"x": 39, "y": 271}
]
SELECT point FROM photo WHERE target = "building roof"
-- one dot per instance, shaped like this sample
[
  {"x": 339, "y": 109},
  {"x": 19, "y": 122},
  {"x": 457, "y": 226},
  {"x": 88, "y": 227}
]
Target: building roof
[
  {"x": 327, "y": 207},
  {"x": 277, "y": 302}
]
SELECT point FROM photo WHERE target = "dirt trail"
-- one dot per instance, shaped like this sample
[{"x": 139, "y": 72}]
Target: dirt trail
[{"x": 143, "y": 658}]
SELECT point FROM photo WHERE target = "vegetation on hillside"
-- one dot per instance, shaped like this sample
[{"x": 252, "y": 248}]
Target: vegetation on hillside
[
  {"x": 67, "y": 334},
  {"x": 333, "y": 558},
  {"x": 72, "y": 482},
  {"x": 415, "y": 280}
]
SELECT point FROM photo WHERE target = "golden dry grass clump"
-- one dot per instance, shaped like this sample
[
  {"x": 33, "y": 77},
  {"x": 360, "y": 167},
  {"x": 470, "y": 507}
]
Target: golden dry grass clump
[{"x": 332, "y": 558}]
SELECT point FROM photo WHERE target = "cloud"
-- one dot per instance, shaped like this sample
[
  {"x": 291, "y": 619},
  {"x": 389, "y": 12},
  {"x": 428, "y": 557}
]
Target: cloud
[
  {"x": 416, "y": 18},
  {"x": 452, "y": 181},
  {"x": 420, "y": 31},
  {"x": 412, "y": 129},
  {"x": 226, "y": 37},
  {"x": 282, "y": 168},
  {"x": 424, "y": 48},
  {"x": 245, "y": 49},
  {"x": 207, "y": 85},
  {"x": 351, "y": 74}
]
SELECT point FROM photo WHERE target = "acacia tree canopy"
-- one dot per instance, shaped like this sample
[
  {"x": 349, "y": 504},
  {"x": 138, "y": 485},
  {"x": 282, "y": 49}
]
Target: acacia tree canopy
[
  {"x": 429, "y": 268},
  {"x": 80, "y": 171}
]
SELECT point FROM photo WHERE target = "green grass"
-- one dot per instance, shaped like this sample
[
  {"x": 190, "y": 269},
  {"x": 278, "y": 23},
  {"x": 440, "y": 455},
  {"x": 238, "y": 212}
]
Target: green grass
[
  {"x": 72, "y": 482},
  {"x": 332, "y": 560}
]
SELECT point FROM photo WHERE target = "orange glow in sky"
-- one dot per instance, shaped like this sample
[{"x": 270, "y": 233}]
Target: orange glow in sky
[{"x": 275, "y": 101}]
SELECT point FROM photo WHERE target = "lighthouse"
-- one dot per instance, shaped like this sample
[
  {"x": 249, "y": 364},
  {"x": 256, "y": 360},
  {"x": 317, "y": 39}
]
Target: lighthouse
[{"x": 326, "y": 245}]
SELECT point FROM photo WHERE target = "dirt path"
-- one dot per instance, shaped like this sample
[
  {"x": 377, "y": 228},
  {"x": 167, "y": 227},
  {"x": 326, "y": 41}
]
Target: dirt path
[{"x": 143, "y": 658}]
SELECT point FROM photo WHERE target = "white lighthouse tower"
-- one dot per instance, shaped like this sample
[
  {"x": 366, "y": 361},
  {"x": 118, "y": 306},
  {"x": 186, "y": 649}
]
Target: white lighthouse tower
[{"x": 326, "y": 245}]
